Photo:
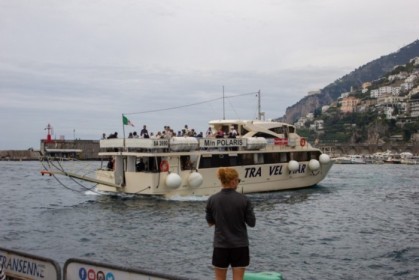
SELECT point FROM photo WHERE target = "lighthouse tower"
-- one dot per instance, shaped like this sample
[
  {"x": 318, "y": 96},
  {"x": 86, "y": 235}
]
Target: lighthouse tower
[{"x": 49, "y": 128}]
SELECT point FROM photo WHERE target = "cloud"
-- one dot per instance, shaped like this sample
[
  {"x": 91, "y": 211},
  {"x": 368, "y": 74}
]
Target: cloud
[{"x": 79, "y": 65}]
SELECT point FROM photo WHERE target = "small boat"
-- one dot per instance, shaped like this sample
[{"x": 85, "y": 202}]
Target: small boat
[
  {"x": 350, "y": 159},
  {"x": 408, "y": 158},
  {"x": 394, "y": 159},
  {"x": 342, "y": 160}
]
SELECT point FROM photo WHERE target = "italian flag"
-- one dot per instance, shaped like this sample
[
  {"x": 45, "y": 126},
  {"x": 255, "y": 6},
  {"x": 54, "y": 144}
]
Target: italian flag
[{"x": 126, "y": 121}]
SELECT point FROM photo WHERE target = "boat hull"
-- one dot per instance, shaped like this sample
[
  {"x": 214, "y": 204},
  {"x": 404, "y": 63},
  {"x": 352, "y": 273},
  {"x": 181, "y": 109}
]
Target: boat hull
[{"x": 254, "y": 179}]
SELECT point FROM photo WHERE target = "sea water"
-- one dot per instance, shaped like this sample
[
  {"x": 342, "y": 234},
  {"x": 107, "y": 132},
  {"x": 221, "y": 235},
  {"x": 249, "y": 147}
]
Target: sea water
[{"x": 361, "y": 222}]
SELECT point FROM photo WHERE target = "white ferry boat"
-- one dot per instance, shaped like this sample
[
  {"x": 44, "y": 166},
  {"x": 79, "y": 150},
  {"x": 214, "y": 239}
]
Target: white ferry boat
[{"x": 269, "y": 156}]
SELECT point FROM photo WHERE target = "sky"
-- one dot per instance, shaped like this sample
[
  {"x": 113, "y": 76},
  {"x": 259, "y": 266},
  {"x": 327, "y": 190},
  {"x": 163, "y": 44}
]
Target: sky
[{"x": 79, "y": 65}]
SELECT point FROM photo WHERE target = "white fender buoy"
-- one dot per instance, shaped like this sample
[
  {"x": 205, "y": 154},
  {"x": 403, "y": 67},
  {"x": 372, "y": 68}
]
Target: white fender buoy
[
  {"x": 293, "y": 165},
  {"x": 195, "y": 179},
  {"x": 173, "y": 180},
  {"x": 324, "y": 159},
  {"x": 314, "y": 164}
]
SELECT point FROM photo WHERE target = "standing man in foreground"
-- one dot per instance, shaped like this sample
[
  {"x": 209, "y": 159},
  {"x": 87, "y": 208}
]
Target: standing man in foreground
[{"x": 230, "y": 212}]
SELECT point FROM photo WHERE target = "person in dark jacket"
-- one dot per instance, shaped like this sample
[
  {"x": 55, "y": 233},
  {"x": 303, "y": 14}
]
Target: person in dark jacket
[{"x": 230, "y": 212}]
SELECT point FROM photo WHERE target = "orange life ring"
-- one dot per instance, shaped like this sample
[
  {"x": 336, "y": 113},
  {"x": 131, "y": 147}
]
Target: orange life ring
[
  {"x": 43, "y": 172},
  {"x": 164, "y": 166},
  {"x": 302, "y": 142}
]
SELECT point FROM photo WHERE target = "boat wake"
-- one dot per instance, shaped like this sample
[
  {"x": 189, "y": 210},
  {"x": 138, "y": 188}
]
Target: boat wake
[{"x": 188, "y": 198}]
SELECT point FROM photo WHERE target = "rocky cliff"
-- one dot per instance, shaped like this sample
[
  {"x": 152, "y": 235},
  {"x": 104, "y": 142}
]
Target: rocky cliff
[
  {"x": 369, "y": 72},
  {"x": 306, "y": 105}
]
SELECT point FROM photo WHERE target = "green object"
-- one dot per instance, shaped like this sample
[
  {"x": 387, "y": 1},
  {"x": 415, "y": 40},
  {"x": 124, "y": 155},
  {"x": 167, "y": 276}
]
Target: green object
[{"x": 266, "y": 275}]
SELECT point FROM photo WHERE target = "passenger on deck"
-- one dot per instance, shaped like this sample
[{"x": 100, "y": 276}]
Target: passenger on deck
[
  {"x": 192, "y": 133},
  {"x": 186, "y": 130},
  {"x": 111, "y": 163},
  {"x": 233, "y": 132},
  {"x": 209, "y": 132},
  {"x": 114, "y": 135},
  {"x": 220, "y": 134},
  {"x": 158, "y": 135},
  {"x": 144, "y": 132}
]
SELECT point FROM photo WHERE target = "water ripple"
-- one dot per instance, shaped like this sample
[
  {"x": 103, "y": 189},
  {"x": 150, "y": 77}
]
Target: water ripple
[{"x": 361, "y": 222}]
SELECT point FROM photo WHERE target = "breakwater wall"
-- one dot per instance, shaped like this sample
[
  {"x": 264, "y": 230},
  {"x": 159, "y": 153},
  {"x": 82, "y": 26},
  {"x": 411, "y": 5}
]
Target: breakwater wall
[
  {"x": 79, "y": 149},
  {"x": 82, "y": 149},
  {"x": 20, "y": 155}
]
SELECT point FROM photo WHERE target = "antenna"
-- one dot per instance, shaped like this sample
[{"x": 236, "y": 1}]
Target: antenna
[{"x": 224, "y": 112}]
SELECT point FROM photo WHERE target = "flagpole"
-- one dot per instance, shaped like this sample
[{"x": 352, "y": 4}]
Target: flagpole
[{"x": 123, "y": 131}]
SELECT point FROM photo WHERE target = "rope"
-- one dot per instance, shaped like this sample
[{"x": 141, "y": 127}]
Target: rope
[
  {"x": 59, "y": 167},
  {"x": 142, "y": 190},
  {"x": 189, "y": 105}
]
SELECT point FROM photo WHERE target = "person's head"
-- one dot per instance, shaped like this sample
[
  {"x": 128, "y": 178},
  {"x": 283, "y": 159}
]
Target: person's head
[{"x": 228, "y": 177}]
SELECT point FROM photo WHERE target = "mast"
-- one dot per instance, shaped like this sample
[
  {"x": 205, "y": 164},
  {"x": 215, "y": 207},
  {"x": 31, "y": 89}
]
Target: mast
[
  {"x": 261, "y": 115},
  {"x": 259, "y": 112},
  {"x": 224, "y": 112}
]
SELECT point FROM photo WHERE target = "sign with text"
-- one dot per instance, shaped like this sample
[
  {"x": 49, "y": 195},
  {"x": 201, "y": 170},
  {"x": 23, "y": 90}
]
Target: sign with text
[
  {"x": 222, "y": 142},
  {"x": 23, "y": 266},
  {"x": 76, "y": 269}
]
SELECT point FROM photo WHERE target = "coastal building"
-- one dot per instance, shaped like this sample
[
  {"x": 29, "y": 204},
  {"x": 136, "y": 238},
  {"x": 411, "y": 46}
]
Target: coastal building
[
  {"x": 413, "y": 108},
  {"x": 349, "y": 104}
]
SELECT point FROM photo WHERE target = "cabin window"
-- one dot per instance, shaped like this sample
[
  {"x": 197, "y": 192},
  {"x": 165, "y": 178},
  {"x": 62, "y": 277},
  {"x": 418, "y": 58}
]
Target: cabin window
[
  {"x": 216, "y": 161},
  {"x": 258, "y": 159},
  {"x": 277, "y": 157},
  {"x": 245, "y": 159},
  {"x": 225, "y": 128},
  {"x": 301, "y": 156},
  {"x": 141, "y": 165},
  {"x": 187, "y": 163},
  {"x": 264, "y": 135},
  {"x": 271, "y": 158},
  {"x": 154, "y": 163},
  {"x": 242, "y": 131},
  {"x": 277, "y": 130},
  {"x": 285, "y": 157},
  {"x": 233, "y": 160},
  {"x": 220, "y": 160},
  {"x": 315, "y": 155},
  {"x": 205, "y": 162},
  {"x": 147, "y": 164}
]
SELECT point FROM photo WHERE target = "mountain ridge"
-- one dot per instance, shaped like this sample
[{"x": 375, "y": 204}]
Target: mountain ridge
[{"x": 368, "y": 72}]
